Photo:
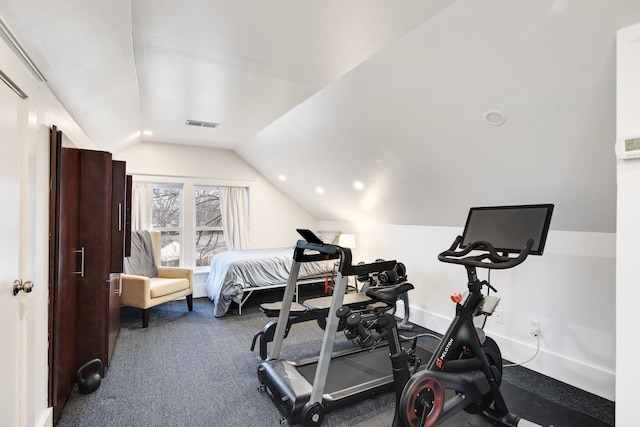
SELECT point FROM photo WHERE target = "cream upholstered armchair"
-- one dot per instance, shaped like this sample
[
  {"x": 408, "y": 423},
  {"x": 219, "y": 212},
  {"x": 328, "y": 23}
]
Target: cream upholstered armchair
[{"x": 146, "y": 292}]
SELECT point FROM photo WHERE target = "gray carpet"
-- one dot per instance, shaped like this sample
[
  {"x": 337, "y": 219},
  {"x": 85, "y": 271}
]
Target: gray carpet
[{"x": 193, "y": 369}]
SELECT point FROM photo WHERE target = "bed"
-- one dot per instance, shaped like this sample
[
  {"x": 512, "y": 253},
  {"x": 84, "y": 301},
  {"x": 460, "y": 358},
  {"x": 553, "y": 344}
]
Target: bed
[{"x": 235, "y": 275}]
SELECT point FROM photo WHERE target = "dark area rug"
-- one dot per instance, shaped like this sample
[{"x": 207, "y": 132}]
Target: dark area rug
[{"x": 193, "y": 369}]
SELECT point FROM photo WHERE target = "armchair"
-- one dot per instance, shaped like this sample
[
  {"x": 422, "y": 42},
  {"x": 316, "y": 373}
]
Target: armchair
[{"x": 147, "y": 292}]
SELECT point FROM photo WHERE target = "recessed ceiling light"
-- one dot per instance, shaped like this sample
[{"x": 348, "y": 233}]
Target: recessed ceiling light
[
  {"x": 358, "y": 185},
  {"x": 147, "y": 132},
  {"x": 282, "y": 177},
  {"x": 319, "y": 190},
  {"x": 495, "y": 117}
]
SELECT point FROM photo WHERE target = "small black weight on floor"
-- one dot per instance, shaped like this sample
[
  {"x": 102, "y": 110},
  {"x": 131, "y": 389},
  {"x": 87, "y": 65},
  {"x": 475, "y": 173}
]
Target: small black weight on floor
[{"x": 89, "y": 381}]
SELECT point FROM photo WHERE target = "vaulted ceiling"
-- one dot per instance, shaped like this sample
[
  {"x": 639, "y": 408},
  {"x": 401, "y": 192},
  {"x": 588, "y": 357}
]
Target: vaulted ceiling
[{"x": 406, "y": 98}]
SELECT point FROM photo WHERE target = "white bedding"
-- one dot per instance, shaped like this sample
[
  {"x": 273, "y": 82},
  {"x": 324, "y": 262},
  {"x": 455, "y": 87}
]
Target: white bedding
[{"x": 231, "y": 272}]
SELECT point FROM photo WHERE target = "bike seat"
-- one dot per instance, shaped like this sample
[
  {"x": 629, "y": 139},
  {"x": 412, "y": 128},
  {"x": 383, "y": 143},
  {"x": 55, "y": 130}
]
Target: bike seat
[{"x": 389, "y": 294}]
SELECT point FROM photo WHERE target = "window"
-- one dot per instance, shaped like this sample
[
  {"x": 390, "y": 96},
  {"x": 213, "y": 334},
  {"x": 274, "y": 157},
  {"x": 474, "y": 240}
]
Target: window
[
  {"x": 188, "y": 213},
  {"x": 166, "y": 217},
  {"x": 208, "y": 230}
]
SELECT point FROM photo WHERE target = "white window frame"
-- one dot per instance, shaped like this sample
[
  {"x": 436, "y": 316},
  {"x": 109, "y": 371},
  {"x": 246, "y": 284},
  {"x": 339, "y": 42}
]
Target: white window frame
[
  {"x": 180, "y": 227},
  {"x": 197, "y": 228},
  {"x": 187, "y": 244}
]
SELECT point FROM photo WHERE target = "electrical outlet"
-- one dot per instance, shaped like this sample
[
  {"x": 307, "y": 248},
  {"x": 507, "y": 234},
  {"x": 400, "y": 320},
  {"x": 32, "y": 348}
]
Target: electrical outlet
[
  {"x": 497, "y": 316},
  {"x": 534, "y": 327}
]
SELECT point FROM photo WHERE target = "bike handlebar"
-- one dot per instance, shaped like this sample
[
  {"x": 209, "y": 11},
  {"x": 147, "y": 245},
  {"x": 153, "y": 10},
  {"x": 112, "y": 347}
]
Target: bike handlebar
[{"x": 495, "y": 260}]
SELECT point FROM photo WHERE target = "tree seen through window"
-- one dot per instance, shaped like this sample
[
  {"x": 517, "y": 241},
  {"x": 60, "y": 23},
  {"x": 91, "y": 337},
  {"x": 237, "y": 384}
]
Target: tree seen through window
[
  {"x": 209, "y": 237},
  {"x": 166, "y": 215}
]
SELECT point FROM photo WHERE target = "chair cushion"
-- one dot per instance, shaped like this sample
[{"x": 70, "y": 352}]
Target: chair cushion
[{"x": 161, "y": 286}]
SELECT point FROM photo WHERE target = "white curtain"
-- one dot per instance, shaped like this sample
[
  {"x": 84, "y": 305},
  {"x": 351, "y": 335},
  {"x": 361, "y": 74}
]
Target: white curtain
[
  {"x": 141, "y": 201},
  {"x": 233, "y": 204}
]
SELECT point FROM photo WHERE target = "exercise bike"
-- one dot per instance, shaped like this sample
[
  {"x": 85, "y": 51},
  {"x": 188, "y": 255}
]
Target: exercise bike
[{"x": 466, "y": 361}]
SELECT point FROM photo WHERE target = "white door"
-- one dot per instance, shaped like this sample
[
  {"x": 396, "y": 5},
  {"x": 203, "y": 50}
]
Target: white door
[{"x": 12, "y": 329}]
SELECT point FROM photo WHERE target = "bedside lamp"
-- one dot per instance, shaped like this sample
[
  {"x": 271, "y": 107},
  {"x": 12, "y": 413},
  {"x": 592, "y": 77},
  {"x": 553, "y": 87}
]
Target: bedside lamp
[{"x": 347, "y": 241}]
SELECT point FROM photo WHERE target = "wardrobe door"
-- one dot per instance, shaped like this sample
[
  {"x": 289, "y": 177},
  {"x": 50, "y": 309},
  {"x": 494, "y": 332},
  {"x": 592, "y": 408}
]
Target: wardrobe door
[
  {"x": 118, "y": 233},
  {"x": 65, "y": 272},
  {"x": 95, "y": 239}
]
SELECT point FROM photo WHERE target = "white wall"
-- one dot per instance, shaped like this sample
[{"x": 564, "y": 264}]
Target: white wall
[
  {"x": 570, "y": 290},
  {"x": 628, "y": 231},
  {"x": 273, "y": 215}
]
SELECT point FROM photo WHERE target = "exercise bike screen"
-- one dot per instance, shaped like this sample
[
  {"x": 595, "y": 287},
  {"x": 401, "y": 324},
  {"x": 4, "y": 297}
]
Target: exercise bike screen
[{"x": 508, "y": 228}]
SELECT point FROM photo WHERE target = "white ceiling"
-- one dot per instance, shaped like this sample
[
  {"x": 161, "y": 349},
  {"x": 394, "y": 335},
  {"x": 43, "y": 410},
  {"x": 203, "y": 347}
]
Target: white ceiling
[{"x": 391, "y": 94}]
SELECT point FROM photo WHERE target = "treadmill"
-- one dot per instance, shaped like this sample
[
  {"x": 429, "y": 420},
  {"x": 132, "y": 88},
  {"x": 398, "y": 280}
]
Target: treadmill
[{"x": 305, "y": 390}]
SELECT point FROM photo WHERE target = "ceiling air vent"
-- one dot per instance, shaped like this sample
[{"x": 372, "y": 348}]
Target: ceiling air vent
[{"x": 202, "y": 124}]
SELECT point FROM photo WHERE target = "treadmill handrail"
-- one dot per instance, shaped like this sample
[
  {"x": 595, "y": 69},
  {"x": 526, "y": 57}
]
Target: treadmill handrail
[
  {"x": 326, "y": 251},
  {"x": 325, "y": 248},
  {"x": 362, "y": 269},
  {"x": 329, "y": 251}
]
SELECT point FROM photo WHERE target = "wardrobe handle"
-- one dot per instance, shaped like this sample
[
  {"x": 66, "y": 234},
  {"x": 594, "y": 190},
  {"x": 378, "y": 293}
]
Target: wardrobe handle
[
  {"x": 81, "y": 252},
  {"x": 119, "y": 290},
  {"x": 119, "y": 216},
  {"x": 109, "y": 281}
]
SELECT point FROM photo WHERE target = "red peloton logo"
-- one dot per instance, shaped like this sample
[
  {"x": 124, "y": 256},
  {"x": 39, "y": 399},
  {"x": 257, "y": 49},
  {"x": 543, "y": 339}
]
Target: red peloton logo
[{"x": 440, "y": 360}]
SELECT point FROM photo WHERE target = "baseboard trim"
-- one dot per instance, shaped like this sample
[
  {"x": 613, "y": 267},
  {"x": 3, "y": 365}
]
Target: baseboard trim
[
  {"x": 46, "y": 418},
  {"x": 198, "y": 290}
]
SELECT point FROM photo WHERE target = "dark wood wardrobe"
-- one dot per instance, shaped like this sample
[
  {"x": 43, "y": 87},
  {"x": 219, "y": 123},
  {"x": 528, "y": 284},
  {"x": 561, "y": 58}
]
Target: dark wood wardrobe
[{"x": 88, "y": 225}]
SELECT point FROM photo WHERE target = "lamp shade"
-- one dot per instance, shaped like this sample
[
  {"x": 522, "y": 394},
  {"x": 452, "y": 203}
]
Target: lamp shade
[{"x": 347, "y": 241}]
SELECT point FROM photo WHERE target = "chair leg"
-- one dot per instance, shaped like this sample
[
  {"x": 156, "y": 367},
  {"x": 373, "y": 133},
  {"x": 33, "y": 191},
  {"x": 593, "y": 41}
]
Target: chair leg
[
  {"x": 145, "y": 317},
  {"x": 190, "y": 302}
]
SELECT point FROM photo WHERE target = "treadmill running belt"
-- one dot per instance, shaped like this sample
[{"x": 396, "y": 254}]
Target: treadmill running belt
[{"x": 352, "y": 369}]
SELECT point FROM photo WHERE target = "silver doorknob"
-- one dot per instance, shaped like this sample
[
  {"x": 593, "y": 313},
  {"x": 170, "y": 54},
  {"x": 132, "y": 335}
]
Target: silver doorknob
[{"x": 25, "y": 287}]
